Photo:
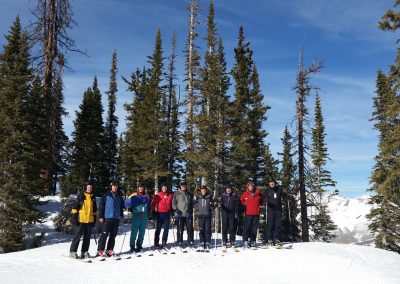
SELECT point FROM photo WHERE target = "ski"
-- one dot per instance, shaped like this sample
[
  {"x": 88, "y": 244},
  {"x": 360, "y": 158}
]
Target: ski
[{"x": 86, "y": 260}]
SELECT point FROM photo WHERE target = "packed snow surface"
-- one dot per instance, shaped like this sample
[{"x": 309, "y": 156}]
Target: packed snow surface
[{"x": 305, "y": 263}]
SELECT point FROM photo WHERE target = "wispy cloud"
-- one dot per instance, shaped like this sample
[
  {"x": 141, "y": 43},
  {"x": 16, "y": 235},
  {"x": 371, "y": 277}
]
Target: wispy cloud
[{"x": 337, "y": 18}]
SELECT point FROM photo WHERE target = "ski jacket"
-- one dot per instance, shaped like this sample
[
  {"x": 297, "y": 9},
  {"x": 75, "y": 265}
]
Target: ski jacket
[
  {"x": 229, "y": 202},
  {"x": 252, "y": 202},
  {"x": 204, "y": 205},
  {"x": 111, "y": 206},
  {"x": 85, "y": 206},
  {"x": 162, "y": 202},
  {"x": 274, "y": 197},
  {"x": 138, "y": 203},
  {"x": 183, "y": 201}
]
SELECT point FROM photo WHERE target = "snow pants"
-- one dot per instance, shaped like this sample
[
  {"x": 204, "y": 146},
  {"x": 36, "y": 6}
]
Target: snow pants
[
  {"x": 162, "y": 222},
  {"x": 250, "y": 227},
  {"x": 110, "y": 231},
  {"x": 139, "y": 224},
  {"x": 274, "y": 224},
  {"x": 205, "y": 229},
  {"x": 183, "y": 222},
  {"x": 84, "y": 229},
  {"x": 229, "y": 224}
]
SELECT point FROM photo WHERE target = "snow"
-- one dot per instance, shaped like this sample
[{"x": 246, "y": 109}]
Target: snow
[
  {"x": 305, "y": 263},
  {"x": 349, "y": 214}
]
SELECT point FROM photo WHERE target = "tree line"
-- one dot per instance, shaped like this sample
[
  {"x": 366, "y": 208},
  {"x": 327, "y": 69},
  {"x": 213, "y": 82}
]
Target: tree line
[{"x": 205, "y": 136}]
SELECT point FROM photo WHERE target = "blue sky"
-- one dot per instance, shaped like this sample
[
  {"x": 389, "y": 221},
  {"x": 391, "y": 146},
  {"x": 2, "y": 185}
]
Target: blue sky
[{"x": 342, "y": 33}]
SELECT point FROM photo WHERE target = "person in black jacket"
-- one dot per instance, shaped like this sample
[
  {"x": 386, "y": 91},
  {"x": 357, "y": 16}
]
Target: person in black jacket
[
  {"x": 229, "y": 202},
  {"x": 273, "y": 200},
  {"x": 204, "y": 205},
  {"x": 110, "y": 215},
  {"x": 83, "y": 216}
]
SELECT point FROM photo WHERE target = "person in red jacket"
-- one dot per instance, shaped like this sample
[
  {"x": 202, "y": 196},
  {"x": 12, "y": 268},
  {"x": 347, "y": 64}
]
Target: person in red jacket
[
  {"x": 251, "y": 199},
  {"x": 161, "y": 206}
]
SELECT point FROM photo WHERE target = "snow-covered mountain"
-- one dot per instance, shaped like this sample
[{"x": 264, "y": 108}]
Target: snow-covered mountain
[{"x": 349, "y": 215}]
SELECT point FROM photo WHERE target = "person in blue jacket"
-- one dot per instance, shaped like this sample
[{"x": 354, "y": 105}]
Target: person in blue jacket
[
  {"x": 139, "y": 204},
  {"x": 110, "y": 215}
]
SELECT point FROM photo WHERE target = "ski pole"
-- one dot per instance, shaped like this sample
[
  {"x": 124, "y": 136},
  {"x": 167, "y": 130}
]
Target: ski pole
[
  {"x": 290, "y": 222},
  {"x": 148, "y": 236},
  {"x": 123, "y": 241},
  {"x": 216, "y": 229},
  {"x": 220, "y": 215}
]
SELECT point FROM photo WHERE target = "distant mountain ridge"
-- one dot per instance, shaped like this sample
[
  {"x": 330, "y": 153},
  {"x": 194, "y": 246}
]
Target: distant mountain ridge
[{"x": 349, "y": 215}]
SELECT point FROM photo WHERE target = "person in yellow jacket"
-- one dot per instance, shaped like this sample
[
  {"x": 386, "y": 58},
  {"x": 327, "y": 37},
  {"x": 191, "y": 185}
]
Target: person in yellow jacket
[{"x": 83, "y": 216}]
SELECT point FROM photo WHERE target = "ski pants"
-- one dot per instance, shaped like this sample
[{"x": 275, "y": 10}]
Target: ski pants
[
  {"x": 229, "y": 224},
  {"x": 183, "y": 222},
  {"x": 84, "y": 229},
  {"x": 274, "y": 224},
  {"x": 162, "y": 222},
  {"x": 110, "y": 230},
  {"x": 139, "y": 224},
  {"x": 205, "y": 229},
  {"x": 250, "y": 227}
]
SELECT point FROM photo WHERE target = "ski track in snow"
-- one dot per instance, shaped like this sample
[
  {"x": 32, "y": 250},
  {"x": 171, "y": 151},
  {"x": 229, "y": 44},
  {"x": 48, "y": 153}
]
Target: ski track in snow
[{"x": 305, "y": 263}]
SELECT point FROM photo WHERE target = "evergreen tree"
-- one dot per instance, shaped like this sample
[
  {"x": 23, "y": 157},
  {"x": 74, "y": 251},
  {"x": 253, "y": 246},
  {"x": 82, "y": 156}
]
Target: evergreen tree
[
  {"x": 130, "y": 166},
  {"x": 172, "y": 120},
  {"x": 192, "y": 66},
  {"x": 271, "y": 171},
  {"x": 290, "y": 209},
  {"x": 112, "y": 122},
  {"x": 303, "y": 89},
  {"x": 385, "y": 176},
  {"x": 320, "y": 179},
  {"x": 247, "y": 115},
  {"x": 21, "y": 157},
  {"x": 144, "y": 154},
  {"x": 212, "y": 104},
  {"x": 88, "y": 146},
  {"x": 50, "y": 34}
]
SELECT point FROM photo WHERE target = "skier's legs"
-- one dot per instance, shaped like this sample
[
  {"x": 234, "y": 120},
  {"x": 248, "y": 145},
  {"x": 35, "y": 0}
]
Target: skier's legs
[
  {"x": 113, "y": 234},
  {"x": 207, "y": 229},
  {"x": 270, "y": 224},
  {"x": 103, "y": 237},
  {"x": 77, "y": 236},
  {"x": 134, "y": 229},
  {"x": 142, "y": 230},
  {"x": 86, "y": 237},
  {"x": 165, "y": 226},
  {"x": 277, "y": 227}
]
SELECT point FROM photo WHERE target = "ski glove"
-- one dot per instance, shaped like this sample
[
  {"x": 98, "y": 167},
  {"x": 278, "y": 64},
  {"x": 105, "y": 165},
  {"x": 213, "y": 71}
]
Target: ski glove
[
  {"x": 75, "y": 219},
  {"x": 177, "y": 211}
]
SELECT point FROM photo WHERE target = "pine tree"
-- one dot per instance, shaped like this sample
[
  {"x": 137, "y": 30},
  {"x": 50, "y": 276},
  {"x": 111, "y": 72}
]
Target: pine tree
[
  {"x": 172, "y": 120},
  {"x": 247, "y": 115},
  {"x": 50, "y": 34},
  {"x": 271, "y": 171},
  {"x": 384, "y": 215},
  {"x": 212, "y": 104},
  {"x": 192, "y": 65},
  {"x": 303, "y": 89},
  {"x": 290, "y": 210},
  {"x": 88, "y": 146},
  {"x": 320, "y": 180},
  {"x": 144, "y": 155},
  {"x": 112, "y": 122},
  {"x": 385, "y": 177},
  {"x": 22, "y": 181},
  {"x": 130, "y": 151}
]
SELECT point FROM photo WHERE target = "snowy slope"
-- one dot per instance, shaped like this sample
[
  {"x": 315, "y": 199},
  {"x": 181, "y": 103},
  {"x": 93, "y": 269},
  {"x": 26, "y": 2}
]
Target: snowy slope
[
  {"x": 306, "y": 263},
  {"x": 349, "y": 215}
]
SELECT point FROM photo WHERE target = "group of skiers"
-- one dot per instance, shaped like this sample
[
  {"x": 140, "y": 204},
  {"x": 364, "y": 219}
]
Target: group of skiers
[{"x": 182, "y": 206}]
